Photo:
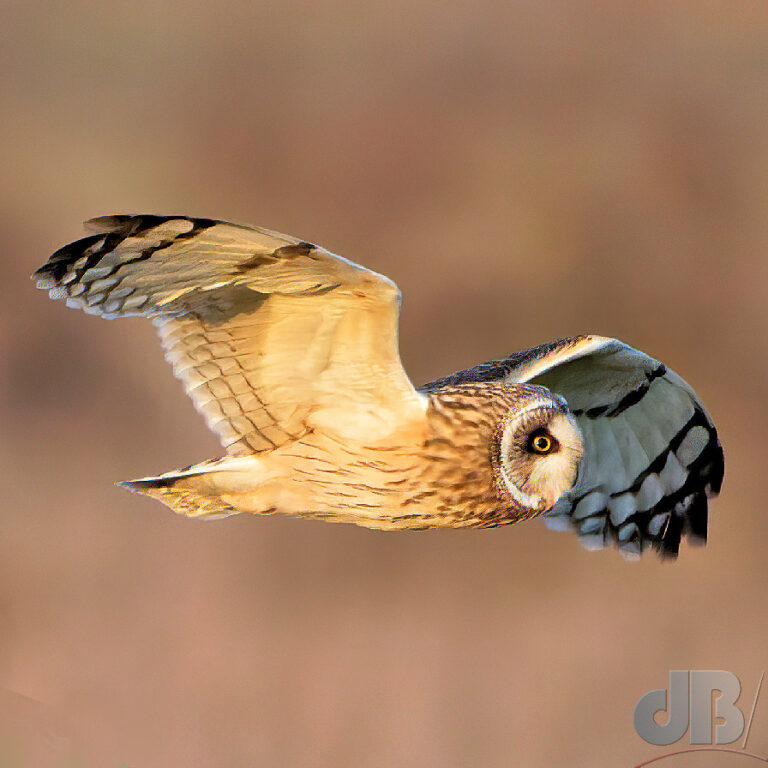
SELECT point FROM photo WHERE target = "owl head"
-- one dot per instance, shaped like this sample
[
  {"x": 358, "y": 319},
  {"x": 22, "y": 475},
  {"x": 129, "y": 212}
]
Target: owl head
[{"x": 539, "y": 447}]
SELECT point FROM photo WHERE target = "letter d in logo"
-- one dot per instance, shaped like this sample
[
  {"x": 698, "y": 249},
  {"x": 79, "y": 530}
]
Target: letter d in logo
[{"x": 656, "y": 701}]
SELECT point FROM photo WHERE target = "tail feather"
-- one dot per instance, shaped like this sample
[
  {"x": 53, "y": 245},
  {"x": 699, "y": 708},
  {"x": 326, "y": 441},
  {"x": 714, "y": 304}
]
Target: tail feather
[{"x": 175, "y": 490}]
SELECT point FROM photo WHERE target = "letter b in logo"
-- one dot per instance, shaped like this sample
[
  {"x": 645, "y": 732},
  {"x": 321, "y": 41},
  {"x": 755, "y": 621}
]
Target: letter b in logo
[{"x": 690, "y": 698}]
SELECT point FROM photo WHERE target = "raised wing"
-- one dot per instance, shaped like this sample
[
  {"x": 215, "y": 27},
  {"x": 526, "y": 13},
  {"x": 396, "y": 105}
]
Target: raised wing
[
  {"x": 271, "y": 336},
  {"x": 652, "y": 455}
]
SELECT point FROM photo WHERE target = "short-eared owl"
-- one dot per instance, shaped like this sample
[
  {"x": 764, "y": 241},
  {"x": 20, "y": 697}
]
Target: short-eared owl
[{"x": 291, "y": 355}]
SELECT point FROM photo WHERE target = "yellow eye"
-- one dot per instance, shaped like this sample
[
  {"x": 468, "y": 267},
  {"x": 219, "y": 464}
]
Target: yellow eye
[{"x": 540, "y": 442}]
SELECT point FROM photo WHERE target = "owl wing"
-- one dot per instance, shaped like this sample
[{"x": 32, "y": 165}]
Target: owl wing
[
  {"x": 652, "y": 455},
  {"x": 271, "y": 336},
  {"x": 651, "y": 452}
]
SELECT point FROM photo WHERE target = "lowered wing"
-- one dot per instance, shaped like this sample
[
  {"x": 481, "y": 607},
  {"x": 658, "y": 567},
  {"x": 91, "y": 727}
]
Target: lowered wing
[{"x": 652, "y": 455}]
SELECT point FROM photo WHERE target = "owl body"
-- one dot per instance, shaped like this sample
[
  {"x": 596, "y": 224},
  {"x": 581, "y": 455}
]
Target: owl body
[
  {"x": 290, "y": 354},
  {"x": 439, "y": 474}
]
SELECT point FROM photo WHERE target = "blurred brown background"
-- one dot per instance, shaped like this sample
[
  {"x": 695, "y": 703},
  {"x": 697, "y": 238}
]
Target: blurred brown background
[{"x": 523, "y": 170}]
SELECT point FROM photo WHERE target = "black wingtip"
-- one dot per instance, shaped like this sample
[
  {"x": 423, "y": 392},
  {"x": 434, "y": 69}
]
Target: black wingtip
[
  {"x": 668, "y": 545},
  {"x": 143, "y": 484},
  {"x": 55, "y": 269},
  {"x": 716, "y": 470},
  {"x": 69, "y": 264},
  {"x": 696, "y": 519}
]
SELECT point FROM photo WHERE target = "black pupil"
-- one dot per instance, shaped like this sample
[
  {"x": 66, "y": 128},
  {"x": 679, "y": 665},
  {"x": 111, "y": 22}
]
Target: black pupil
[{"x": 540, "y": 442}]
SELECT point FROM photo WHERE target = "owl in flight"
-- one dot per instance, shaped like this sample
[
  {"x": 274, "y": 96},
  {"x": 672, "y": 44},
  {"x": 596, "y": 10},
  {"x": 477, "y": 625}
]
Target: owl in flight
[{"x": 291, "y": 355}]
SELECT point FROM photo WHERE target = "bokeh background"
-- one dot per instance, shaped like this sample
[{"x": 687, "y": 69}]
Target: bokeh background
[{"x": 524, "y": 170}]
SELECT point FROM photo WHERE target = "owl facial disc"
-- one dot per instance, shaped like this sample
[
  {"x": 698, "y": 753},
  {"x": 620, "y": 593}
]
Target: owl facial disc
[{"x": 540, "y": 449}]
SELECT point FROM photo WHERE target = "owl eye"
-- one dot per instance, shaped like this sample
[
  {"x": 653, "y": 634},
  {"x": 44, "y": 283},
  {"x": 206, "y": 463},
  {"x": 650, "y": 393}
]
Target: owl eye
[{"x": 541, "y": 442}]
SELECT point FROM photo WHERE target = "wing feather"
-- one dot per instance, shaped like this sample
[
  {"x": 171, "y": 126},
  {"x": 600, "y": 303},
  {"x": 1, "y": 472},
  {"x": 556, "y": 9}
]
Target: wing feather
[
  {"x": 272, "y": 336},
  {"x": 667, "y": 446}
]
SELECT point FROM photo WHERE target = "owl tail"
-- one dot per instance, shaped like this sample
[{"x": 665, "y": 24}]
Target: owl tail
[{"x": 186, "y": 491}]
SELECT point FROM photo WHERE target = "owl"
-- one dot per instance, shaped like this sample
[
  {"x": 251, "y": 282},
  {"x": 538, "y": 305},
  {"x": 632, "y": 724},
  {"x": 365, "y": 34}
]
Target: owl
[{"x": 290, "y": 353}]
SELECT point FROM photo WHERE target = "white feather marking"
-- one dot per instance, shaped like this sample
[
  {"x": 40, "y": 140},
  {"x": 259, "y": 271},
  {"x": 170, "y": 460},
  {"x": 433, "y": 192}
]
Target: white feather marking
[
  {"x": 102, "y": 285},
  {"x": 629, "y": 550},
  {"x": 628, "y": 531},
  {"x": 692, "y": 445},
  {"x": 557, "y": 522},
  {"x": 673, "y": 475},
  {"x": 591, "y": 503},
  {"x": 621, "y": 507},
  {"x": 592, "y": 542},
  {"x": 171, "y": 228},
  {"x": 95, "y": 274},
  {"x": 44, "y": 282},
  {"x": 650, "y": 493},
  {"x": 135, "y": 301},
  {"x": 657, "y": 523},
  {"x": 592, "y": 526},
  {"x": 582, "y": 348},
  {"x": 112, "y": 307},
  {"x": 121, "y": 292}
]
